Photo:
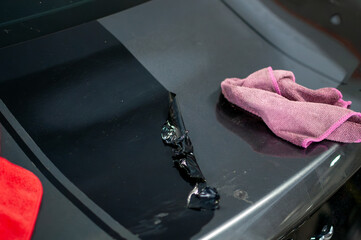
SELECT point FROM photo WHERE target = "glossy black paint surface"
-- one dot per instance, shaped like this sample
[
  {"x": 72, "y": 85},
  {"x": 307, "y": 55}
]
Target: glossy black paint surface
[
  {"x": 342, "y": 211},
  {"x": 266, "y": 185},
  {"x": 74, "y": 107},
  {"x": 337, "y": 19},
  {"x": 27, "y": 19},
  {"x": 300, "y": 41},
  {"x": 58, "y": 218},
  {"x": 98, "y": 119}
]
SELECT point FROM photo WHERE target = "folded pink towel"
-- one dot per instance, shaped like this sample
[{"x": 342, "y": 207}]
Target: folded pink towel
[{"x": 293, "y": 112}]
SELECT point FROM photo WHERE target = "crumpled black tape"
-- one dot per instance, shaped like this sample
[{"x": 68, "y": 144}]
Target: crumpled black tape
[
  {"x": 174, "y": 134},
  {"x": 203, "y": 197}
]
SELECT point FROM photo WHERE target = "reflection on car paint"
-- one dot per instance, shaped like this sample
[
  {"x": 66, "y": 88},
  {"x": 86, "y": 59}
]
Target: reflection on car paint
[{"x": 326, "y": 233}]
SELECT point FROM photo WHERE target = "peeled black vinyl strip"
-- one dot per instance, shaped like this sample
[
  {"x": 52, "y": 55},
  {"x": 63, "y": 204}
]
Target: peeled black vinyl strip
[{"x": 175, "y": 135}]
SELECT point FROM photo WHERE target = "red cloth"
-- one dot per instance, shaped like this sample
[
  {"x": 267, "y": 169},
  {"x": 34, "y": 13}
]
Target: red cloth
[{"x": 20, "y": 197}]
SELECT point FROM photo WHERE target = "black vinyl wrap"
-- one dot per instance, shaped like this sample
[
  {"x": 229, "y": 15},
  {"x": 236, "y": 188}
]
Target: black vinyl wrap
[{"x": 97, "y": 116}]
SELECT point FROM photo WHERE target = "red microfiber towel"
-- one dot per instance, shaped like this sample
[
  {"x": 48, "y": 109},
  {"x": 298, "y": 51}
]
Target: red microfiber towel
[
  {"x": 20, "y": 197},
  {"x": 293, "y": 112}
]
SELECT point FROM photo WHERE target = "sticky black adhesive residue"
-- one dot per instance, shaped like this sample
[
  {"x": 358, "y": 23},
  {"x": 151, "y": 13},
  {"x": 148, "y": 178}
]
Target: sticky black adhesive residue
[{"x": 175, "y": 135}]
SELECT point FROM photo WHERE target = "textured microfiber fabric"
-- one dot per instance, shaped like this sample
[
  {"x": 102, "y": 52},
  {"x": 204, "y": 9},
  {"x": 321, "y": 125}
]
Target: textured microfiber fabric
[
  {"x": 293, "y": 112},
  {"x": 20, "y": 197},
  {"x": 252, "y": 130}
]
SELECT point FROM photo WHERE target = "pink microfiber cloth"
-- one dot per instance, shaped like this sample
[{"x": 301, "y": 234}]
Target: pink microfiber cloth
[
  {"x": 293, "y": 112},
  {"x": 20, "y": 197}
]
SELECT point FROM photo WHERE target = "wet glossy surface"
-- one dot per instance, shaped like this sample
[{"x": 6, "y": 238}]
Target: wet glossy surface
[
  {"x": 28, "y": 19},
  {"x": 271, "y": 185},
  {"x": 58, "y": 217},
  {"x": 98, "y": 119},
  {"x": 342, "y": 211},
  {"x": 306, "y": 44},
  {"x": 337, "y": 19},
  {"x": 68, "y": 98}
]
